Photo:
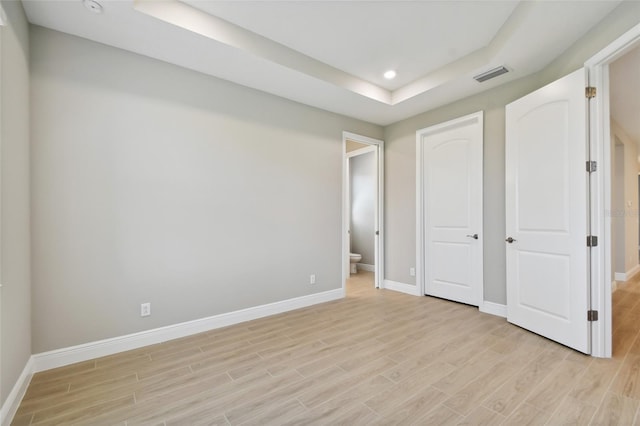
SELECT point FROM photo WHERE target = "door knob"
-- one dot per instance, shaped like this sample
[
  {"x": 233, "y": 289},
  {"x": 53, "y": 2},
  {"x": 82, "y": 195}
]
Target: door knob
[
  {"x": 510, "y": 240},
  {"x": 474, "y": 236}
]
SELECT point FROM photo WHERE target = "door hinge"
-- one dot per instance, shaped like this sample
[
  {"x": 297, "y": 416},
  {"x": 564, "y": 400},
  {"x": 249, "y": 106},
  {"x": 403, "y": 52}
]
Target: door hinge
[
  {"x": 590, "y": 92},
  {"x": 592, "y": 166},
  {"x": 592, "y": 241},
  {"x": 592, "y": 315}
]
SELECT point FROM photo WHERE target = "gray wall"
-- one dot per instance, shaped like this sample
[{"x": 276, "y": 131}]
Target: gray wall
[
  {"x": 15, "y": 317},
  {"x": 400, "y": 188},
  {"x": 617, "y": 207},
  {"x": 158, "y": 184},
  {"x": 625, "y": 257},
  {"x": 363, "y": 210}
]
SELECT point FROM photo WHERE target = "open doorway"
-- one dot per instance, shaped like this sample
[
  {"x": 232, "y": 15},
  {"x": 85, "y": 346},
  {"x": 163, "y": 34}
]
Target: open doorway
[
  {"x": 362, "y": 189},
  {"x": 624, "y": 91},
  {"x": 614, "y": 196},
  {"x": 361, "y": 205}
]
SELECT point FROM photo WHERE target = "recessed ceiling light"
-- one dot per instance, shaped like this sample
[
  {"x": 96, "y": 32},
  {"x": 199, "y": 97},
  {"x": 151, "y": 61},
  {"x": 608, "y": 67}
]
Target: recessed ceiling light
[
  {"x": 390, "y": 75},
  {"x": 93, "y": 6}
]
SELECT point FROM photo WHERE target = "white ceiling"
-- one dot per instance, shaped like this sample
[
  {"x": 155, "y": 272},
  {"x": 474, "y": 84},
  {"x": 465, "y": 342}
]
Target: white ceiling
[
  {"x": 363, "y": 40},
  {"x": 332, "y": 54},
  {"x": 624, "y": 85}
]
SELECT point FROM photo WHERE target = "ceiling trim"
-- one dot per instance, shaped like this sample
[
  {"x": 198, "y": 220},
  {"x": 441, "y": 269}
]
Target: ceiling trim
[
  {"x": 220, "y": 30},
  {"x": 292, "y": 50},
  {"x": 210, "y": 26}
]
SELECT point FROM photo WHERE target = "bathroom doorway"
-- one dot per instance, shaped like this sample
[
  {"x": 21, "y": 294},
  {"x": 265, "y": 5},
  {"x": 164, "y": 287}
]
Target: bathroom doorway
[{"x": 362, "y": 213}]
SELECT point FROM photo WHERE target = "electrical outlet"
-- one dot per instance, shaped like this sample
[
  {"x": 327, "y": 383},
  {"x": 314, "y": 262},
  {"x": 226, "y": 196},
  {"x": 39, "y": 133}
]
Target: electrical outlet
[
  {"x": 412, "y": 272},
  {"x": 312, "y": 279},
  {"x": 145, "y": 309}
]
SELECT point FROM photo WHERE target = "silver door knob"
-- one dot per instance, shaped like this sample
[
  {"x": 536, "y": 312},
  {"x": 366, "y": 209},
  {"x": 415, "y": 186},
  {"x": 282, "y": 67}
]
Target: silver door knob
[
  {"x": 510, "y": 240},
  {"x": 474, "y": 236}
]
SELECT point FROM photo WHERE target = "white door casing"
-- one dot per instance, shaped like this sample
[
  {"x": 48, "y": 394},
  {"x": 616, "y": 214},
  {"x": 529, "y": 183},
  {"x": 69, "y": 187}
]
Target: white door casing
[
  {"x": 449, "y": 209},
  {"x": 547, "y": 212}
]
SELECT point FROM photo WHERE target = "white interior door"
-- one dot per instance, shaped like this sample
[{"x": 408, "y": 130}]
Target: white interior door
[
  {"x": 451, "y": 212},
  {"x": 547, "y": 212}
]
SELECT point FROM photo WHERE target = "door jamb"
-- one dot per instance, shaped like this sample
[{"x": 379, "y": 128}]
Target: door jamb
[
  {"x": 600, "y": 147},
  {"x": 379, "y": 211},
  {"x": 420, "y": 232}
]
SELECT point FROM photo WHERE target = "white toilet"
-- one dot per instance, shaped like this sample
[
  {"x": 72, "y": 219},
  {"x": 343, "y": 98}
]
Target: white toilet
[{"x": 353, "y": 259}]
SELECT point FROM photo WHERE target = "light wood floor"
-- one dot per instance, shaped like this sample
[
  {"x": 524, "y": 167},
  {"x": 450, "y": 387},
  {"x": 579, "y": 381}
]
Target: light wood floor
[{"x": 376, "y": 357}]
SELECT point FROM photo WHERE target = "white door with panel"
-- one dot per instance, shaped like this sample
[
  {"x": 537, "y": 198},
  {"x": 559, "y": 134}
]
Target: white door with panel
[
  {"x": 450, "y": 215},
  {"x": 547, "y": 212}
]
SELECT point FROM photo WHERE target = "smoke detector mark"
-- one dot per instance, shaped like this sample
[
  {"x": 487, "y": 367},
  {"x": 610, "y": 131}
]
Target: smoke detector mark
[{"x": 93, "y": 6}]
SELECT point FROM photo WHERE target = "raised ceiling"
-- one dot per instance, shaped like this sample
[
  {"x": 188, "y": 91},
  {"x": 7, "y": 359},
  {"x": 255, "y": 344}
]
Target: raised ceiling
[{"x": 332, "y": 54}]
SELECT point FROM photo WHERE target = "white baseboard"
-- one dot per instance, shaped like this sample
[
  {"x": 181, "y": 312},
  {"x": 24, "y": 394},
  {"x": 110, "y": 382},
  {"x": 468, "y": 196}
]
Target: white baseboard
[
  {"x": 492, "y": 308},
  {"x": 401, "y": 287},
  {"x": 66, "y": 356},
  {"x": 11, "y": 404},
  {"x": 61, "y": 357},
  {"x": 366, "y": 267},
  {"x": 624, "y": 276}
]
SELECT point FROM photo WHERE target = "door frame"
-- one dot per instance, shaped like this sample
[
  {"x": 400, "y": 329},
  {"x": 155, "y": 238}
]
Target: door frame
[
  {"x": 4, "y": 415},
  {"x": 420, "y": 214},
  {"x": 599, "y": 210},
  {"x": 379, "y": 210}
]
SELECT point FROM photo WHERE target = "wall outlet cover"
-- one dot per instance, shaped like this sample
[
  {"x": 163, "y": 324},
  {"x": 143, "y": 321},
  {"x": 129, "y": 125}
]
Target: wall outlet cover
[{"x": 145, "y": 309}]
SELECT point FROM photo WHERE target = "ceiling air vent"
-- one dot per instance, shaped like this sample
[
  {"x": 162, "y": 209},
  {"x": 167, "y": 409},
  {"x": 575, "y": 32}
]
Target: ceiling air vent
[{"x": 488, "y": 75}]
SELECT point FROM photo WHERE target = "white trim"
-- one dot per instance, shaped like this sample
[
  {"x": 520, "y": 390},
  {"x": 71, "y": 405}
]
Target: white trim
[
  {"x": 3, "y": 407},
  {"x": 346, "y": 214},
  {"x": 492, "y": 308},
  {"x": 11, "y": 404},
  {"x": 360, "y": 138},
  {"x": 87, "y": 351},
  {"x": 620, "y": 276},
  {"x": 616, "y": 49},
  {"x": 378, "y": 148},
  {"x": 625, "y": 276},
  {"x": 66, "y": 356},
  {"x": 600, "y": 144},
  {"x": 477, "y": 117},
  {"x": 402, "y": 287},
  {"x": 366, "y": 267}
]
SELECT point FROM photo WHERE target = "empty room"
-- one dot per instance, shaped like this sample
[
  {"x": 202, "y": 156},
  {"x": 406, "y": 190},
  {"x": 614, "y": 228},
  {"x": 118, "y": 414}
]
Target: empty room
[{"x": 319, "y": 212}]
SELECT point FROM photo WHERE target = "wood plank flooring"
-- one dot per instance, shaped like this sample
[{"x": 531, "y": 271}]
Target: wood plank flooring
[{"x": 377, "y": 357}]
